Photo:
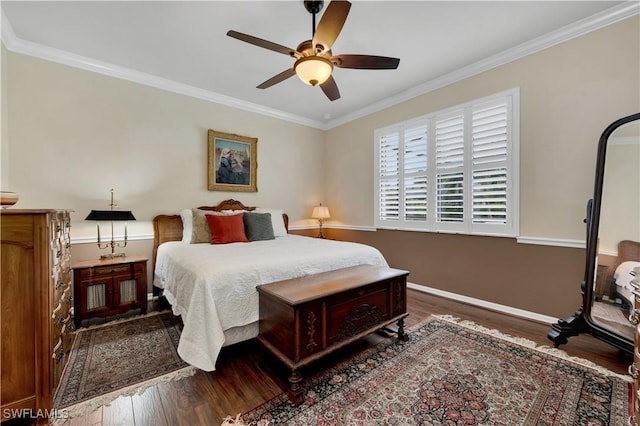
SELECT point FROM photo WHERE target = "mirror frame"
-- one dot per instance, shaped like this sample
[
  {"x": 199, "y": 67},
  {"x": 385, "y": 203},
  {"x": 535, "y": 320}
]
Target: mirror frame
[{"x": 581, "y": 321}]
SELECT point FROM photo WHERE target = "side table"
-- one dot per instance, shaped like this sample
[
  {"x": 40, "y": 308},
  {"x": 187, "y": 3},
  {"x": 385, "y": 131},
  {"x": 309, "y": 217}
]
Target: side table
[{"x": 106, "y": 287}]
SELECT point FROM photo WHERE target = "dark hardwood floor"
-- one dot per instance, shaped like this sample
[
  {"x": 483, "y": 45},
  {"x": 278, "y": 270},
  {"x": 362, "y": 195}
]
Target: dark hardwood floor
[{"x": 245, "y": 379}]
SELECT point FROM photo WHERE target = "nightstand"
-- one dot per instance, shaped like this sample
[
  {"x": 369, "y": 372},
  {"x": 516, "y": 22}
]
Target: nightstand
[{"x": 108, "y": 287}]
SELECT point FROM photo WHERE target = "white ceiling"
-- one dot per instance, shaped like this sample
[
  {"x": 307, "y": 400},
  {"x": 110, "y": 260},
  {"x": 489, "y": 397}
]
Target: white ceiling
[{"x": 182, "y": 45}]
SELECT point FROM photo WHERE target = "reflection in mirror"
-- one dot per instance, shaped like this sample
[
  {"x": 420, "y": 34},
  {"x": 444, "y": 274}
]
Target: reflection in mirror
[{"x": 618, "y": 250}]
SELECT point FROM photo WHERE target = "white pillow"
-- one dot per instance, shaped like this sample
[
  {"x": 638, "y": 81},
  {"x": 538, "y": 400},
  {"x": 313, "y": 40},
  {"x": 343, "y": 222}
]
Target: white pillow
[
  {"x": 187, "y": 225},
  {"x": 277, "y": 221}
]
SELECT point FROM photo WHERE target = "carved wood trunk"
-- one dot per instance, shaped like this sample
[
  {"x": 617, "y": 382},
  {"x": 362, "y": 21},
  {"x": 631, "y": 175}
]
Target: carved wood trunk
[{"x": 304, "y": 319}]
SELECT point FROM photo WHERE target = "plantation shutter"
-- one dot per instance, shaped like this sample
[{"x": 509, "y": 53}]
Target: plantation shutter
[
  {"x": 489, "y": 142},
  {"x": 452, "y": 171},
  {"x": 389, "y": 177},
  {"x": 449, "y": 146},
  {"x": 415, "y": 173}
]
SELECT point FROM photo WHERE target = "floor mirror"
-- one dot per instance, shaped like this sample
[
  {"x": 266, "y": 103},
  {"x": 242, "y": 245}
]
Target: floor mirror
[{"x": 612, "y": 243}]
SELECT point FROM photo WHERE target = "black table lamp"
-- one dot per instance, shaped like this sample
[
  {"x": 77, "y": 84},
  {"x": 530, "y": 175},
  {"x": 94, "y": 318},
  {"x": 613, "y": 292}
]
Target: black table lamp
[{"x": 111, "y": 215}]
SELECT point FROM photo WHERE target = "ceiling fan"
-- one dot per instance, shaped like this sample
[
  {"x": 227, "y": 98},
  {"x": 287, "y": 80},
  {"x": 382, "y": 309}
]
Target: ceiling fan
[{"x": 314, "y": 59}]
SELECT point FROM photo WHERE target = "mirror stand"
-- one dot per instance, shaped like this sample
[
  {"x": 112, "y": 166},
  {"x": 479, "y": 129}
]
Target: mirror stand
[{"x": 613, "y": 240}]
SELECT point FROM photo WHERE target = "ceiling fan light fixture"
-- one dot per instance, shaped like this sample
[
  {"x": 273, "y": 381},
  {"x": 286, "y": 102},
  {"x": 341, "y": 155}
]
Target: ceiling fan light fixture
[{"x": 313, "y": 70}]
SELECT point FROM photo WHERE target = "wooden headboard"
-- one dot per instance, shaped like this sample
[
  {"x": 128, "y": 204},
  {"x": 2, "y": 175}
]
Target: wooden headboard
[
  {"x": 169, "y": 227},
  {"x": 627, "y": 251}
]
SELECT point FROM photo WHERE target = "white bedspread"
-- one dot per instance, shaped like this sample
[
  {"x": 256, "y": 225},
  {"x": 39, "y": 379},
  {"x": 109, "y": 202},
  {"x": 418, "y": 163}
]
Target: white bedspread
[
  {"x": 625, "y": 272},
  {"x": 213, "y": 286}
]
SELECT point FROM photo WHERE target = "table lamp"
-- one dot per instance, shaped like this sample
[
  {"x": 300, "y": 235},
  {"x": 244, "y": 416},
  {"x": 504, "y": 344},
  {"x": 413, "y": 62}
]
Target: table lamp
[
  {"x": 320, "y": 213},
  {"x": 111, "y": 215}
]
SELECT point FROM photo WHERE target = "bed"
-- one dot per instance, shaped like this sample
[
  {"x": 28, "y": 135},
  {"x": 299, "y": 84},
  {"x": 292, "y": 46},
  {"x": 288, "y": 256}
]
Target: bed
[
  {"x": 614, "y": 299},
  {"x": 623, "y": 270},
  {"x": 213, "y": 286}
]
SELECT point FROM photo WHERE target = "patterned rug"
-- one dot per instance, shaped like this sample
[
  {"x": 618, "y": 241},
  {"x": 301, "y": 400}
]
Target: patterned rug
[
  {"x": 454, "y": 372},
  {"x": 120, "y": 358}
]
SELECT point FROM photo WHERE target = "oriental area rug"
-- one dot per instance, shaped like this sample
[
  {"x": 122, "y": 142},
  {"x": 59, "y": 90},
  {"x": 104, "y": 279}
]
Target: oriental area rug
[
  {"x": 120, "y": 358},
  {"x": 454, "y": 372}
]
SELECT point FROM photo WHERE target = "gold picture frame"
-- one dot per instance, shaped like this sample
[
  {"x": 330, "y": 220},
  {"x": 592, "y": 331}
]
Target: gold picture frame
[{"x": 232, "y": 162}]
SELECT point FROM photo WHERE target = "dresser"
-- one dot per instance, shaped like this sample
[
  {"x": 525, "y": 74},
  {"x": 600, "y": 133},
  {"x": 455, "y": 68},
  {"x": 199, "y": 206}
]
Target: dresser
[
  {"x": 36, "y": 321},
  {"x": 634, "y": 368}
]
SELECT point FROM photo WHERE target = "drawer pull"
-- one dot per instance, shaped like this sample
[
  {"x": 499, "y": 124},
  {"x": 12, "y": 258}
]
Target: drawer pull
[
  {"x": 633, "y": 371},
  {"x": 112, "y": 270},
  {"x": 361, "y": 293}
]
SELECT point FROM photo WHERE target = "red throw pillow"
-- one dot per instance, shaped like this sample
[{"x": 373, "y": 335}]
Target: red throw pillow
[{"x": 226, "y": 229}]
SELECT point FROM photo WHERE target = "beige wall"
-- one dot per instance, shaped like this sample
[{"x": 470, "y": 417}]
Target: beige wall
[
  {"x": 4, "y": 127},
  {"x": 75, "y": 134},
  {"x": 568, "y": 95},
  {"x": 620, "y": 210}
]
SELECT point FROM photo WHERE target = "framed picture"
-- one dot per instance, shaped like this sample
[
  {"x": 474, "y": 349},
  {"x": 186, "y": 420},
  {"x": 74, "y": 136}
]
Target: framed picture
[{"x": 232, "y": 162}]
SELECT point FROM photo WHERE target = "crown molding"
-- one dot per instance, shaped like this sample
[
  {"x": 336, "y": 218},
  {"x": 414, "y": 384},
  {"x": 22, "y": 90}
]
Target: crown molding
[
  {"x": 15, "y": 44},
  {"x": 584, "y": 26},
  {"x": 577, "y": 29}
]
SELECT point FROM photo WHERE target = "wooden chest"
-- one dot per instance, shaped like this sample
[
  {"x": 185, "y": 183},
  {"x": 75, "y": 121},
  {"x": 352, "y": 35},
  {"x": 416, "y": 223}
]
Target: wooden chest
[
  {"x": 304, "y": 319},
  {"x": 37, "y": 296}
]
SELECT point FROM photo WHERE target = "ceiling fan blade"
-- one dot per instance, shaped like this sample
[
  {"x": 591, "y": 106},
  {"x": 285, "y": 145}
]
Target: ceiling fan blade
[
  {"x": 262, "y": 43},
  {"x": 330, "y": 88},
  {"x": 365, "y": 62},
  {"x": 277, "y": 78},
  {"x": 331, "y": 24}
]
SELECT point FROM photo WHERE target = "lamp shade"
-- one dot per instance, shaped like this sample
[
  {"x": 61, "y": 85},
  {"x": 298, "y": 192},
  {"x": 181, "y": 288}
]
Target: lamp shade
[
  {"x": 321, "y": 212},
  {"x": 106, "y": 215},
  {"x": 313, "y": 70}
]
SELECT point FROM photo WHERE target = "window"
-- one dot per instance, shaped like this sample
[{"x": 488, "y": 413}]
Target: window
[{"x": 452, "y": 171}]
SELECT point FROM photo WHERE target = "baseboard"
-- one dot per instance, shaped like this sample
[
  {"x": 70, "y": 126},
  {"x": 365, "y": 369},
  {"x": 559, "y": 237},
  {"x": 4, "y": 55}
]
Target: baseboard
[
  {"x": 485, "y": 304},
  {"x": 466, "y": 299}
]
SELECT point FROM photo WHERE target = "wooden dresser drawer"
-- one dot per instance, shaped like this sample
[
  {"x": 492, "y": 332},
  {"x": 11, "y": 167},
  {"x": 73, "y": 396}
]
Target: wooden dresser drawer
[{"x": 128, "y": 268}]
